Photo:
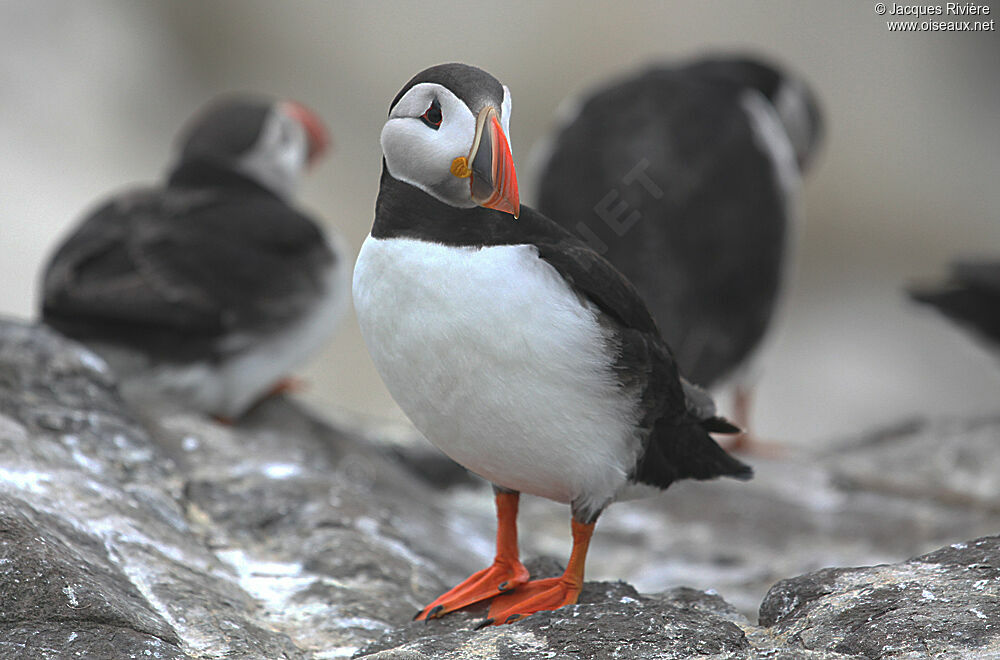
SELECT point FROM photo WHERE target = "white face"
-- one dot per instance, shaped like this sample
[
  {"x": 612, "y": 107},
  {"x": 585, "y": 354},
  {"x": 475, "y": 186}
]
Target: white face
[
  {"x": 421, "y": 155},
  {"x": 278, "y": 158}
]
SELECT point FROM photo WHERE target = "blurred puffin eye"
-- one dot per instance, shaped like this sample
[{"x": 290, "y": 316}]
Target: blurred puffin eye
[{"x": 432, "y": 116}]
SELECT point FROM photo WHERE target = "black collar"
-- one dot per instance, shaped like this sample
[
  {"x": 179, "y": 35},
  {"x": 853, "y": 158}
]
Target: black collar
[{"x": 405, "y": 211}]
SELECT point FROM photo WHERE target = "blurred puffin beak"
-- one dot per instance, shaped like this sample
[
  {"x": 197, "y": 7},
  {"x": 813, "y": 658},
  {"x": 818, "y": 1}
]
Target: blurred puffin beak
[
  {"x": 494, "y": 182},
  {"x": 319, "y": 139}
]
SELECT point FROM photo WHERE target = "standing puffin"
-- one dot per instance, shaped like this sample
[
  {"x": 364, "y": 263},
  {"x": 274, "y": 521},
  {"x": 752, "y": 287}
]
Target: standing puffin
[
  {"x": 970, "y": 296},
  {"x": 512, "y": 345},
  {"x": 207, "y": 290},
  {"x": 685, "y": 179}
]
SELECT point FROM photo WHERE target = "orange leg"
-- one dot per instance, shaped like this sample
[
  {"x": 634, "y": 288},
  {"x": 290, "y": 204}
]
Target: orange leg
[
  {"x": 748, "y": 442},
  {"x": 506, "y": 573},
  {"x": 547, "y": 594},
  {"x": 742, "y": 401},
  {"x": 287, "y": 385}
]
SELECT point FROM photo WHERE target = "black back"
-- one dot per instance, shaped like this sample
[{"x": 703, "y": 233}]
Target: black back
[
  {"x": 179, "y": 272},
  {"x": 677, "y": 442},
  {"x": 698, "y": 218}
]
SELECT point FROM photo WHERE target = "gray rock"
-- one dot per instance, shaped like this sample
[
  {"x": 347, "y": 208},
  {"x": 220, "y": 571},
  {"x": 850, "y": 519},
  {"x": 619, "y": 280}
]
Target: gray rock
[
  {"x": 99, "y": 553},
  {"x": 942, "y": 604},
  {"x": 129, "y": 534},
  {"x": 335, "y": 540},
  {"x": 279, "y": 538},
  {"x": 57, "y": 586},
  {"x": 800, "y": 513},
  {"x": 611, "y": 620},
  {"x": 953, "y": 461}
]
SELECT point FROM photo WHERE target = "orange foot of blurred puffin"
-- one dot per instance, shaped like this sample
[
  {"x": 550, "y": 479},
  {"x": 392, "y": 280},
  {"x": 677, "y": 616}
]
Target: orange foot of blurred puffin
[
  {"x": 547, "y": 594},
  {"x": 748, "y": 442},
  {"x": 287, "y": 385},
  {"x": 506, "y": 573}
]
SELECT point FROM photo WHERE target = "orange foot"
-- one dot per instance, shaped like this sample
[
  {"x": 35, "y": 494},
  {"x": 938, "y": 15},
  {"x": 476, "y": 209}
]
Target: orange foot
[
  {"x": 499, "y": 578},
  {"x": 506, "y": 573},
  {"x": 547, "y": 594},
  {"x": 748, "y": 444},
  {"x": 535, "y": 596},
  {"x": 287, "y": 385}
]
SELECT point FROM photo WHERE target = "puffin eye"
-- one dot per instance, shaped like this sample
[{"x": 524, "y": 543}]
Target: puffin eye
[{"x": 432, "y": 116}]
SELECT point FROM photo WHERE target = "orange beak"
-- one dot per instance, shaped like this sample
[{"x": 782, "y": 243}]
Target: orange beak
[
  {"x": 493, "y": 183},
  {"x": 319, "y": 139}
]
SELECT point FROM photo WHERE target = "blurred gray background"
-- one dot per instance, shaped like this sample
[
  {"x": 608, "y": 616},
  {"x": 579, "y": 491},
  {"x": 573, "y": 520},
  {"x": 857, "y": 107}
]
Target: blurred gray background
[{"x": 92, "y": 93}]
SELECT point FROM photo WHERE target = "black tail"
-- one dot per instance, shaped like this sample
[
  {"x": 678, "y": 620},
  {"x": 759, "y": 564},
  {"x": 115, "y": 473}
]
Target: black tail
[{"x": 687, "y": 451}]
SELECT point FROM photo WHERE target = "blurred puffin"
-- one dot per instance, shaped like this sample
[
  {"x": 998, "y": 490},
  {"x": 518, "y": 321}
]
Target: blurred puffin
[
  {"x": 685, "y": 179},
  {"x": 510, "y": 344},
  {"x": 970, "y": 296},
  {"x": 207, "y": 290}
]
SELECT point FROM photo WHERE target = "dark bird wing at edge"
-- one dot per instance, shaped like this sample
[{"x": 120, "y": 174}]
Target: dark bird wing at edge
[
  {"x": 970, "y": 296},
  {"x": 159, "y": 268}
]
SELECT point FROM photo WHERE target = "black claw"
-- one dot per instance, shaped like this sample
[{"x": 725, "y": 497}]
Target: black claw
[
  {"x": 434, "y": 613},
  {"x": 482, "y": 624},
  {"x": 512, "y": 618},
  {"x": 503, "y": 586}
]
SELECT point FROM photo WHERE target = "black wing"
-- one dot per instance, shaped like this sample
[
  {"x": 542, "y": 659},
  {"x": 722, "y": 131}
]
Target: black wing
[
  {"x": 185, "y": 263},
  {"x": 970, "y": 296}
]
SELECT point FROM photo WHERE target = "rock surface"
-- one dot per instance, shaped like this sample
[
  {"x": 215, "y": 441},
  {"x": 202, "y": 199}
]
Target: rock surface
[
  {"x": 611, "y": 620},
  {"x": 281, "y": 538},
  {"x": 884, "y": 498},
  {"x": 942, "y": 604},
  {"x": 166, "y": 535}
]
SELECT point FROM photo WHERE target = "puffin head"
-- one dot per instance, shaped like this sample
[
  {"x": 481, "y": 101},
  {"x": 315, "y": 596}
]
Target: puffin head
[
  {"x": 797, "y": 107},
  {"x": 448, "y": 133},
  {"x": 272, "y": 142}
]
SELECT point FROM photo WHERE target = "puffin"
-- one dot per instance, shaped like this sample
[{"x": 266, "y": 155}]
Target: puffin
[
  {"x": 511, "y": 344},
  {"x": 685, "y": 178},
  {"x": 205, "y": 291},
  {"x": 969, "y": 296}
]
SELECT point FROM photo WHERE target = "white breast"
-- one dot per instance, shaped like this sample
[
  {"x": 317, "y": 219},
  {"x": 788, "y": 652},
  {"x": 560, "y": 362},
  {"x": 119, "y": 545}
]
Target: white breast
[{"x": 499, "y": 363}]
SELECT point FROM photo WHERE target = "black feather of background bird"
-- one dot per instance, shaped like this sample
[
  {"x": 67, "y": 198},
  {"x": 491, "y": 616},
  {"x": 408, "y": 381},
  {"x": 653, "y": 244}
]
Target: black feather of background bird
[
  {"x": 970, "y": 296},
  {"x": 688, "y": 197},
  {"x": 181, "y": 286}
]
